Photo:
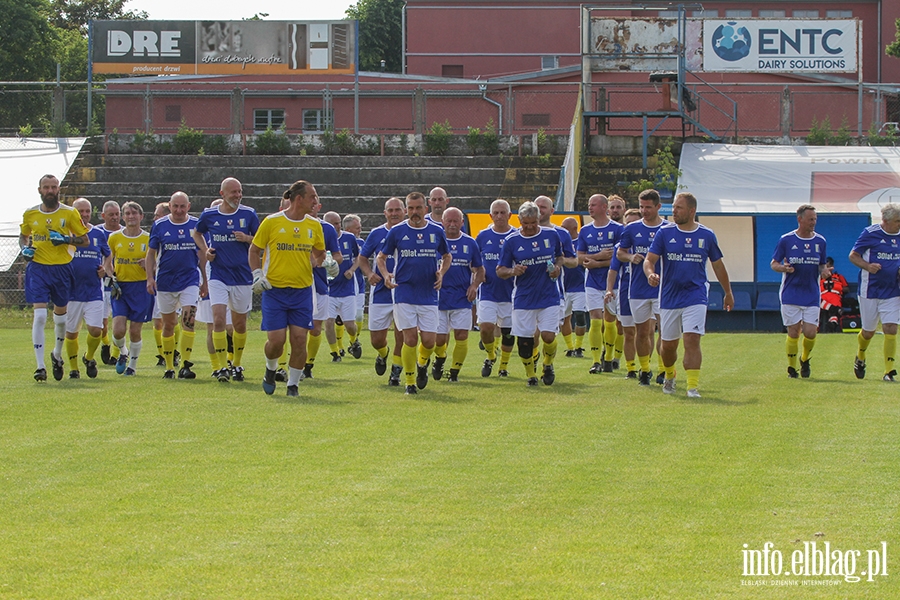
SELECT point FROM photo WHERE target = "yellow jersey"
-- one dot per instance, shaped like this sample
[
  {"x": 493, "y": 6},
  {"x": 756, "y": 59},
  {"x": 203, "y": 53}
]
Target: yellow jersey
[
  {"x": 288, "y": 245},
  {"x": 127, "y": 253},
  {"x": 38, "y": 224}
]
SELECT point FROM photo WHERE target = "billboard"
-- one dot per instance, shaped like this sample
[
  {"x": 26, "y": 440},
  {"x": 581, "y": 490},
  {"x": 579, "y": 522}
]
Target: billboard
[
  {"x": 223, "y": 47},
  {"x": 643, "y": 45},
  {"x": 781, "y": 45}
]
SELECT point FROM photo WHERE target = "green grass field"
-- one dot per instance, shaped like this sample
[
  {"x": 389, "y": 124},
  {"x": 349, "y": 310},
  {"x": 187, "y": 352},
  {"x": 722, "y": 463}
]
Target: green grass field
[{"x": 591, "y": 488}]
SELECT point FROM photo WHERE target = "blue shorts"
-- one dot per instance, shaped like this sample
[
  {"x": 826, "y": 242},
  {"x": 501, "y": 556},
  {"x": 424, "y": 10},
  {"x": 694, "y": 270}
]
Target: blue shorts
[
  {"x": 135, "y": 304},
  {"x": 49, "y": 283},
  {"x": 287, "y": 306}
]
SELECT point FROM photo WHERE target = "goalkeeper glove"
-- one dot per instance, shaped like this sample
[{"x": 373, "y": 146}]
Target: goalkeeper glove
[
  {"x": 260, "y": 282},
  {"x": 28, "y": 253},
  {"x": 58, "y": 239},
  {"x": 115, "y": 292}
]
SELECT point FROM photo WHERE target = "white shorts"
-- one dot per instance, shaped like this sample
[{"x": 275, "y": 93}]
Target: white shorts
[
  {"x": 526, "y": 322},
  {"x": 381, "y": 316},
  {"x": 791, "y": 314},
  {"x": 674, "y": 321},
  {"x": 91, "y": 312},
  {"x": 205, "y": 315},
  {"x": 626, "y": 320},
  {"x": 459, "y": 318},
  {"x": 498, "y": 313},
  {"x": 595, "y": 299},
  {"x": 411, "y": 316},
  {"x": 107, "y": 303},
  {"x": 562, "y": 309},
  {"x": 345, "y": 308},
  {"x": 612, "y": 307},
  {"x": 872, "y": 310},
  {"x": 644, "y": 309},
  {"x": 169, "y": 302},
  {"x": 575, "y": 302},
  {"x": 321, "y": 306},
  {"x": 360, "y": 306},
  {"x": 238, "y": 298}
]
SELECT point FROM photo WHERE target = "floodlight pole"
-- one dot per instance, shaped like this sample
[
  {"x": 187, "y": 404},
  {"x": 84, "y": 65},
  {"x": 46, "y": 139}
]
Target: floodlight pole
[{"x": 90, "y": 75}]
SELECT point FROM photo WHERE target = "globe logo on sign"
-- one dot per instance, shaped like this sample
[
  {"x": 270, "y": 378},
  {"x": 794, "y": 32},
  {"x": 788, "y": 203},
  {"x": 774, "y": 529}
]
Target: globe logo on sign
[{"x": 731, "y": 42}]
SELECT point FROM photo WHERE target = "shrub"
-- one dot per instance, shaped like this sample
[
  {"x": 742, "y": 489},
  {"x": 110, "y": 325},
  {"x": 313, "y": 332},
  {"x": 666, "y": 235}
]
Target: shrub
[
  {"x": 437, "y": 141},
  {"x": 188, "y": 140},
  {"x": 875, "y": 138},
  {"x": 271, "y": 142},
  {"x": 216, "y": 144},
  {"x": 473, "y": 140},
  {"x": 344, "y": 142},
  {"x": 490, "y": 141},
  {"x": 820, "y": 133}
]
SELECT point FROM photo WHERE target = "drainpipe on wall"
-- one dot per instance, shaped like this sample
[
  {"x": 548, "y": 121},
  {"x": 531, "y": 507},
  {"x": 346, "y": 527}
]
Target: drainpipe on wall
[{"x": 499, "y": 106}]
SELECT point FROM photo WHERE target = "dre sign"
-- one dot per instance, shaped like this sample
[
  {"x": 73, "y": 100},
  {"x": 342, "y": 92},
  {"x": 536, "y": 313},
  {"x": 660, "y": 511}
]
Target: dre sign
[{"x": 143, "y": 43}]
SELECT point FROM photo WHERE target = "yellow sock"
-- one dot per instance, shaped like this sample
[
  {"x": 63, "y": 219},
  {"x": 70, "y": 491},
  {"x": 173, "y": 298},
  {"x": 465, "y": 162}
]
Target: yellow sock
[
  {"x": 863, "y": 345},
  {"x": 220, "y": 343},
  {"x": 92, "y": 344},
  {"x": 408, "y": 356},
  {"x": 214, "y": 361},
  {"x": 659, "y": 363},
  {"x": 609, "y": 339},
  {"x": 187, "y": 344},
  {"x": 808, "y": 344},
  {"x": 397, "y": 360},
  {"x": 491, "y": 349},
  {"x": 460, "y": 350},
  {"x": 550, "y": 351},
  {"x": 596, "y": 339},
  {"x": 693, "y": 378},
  {"x": 570, "y": 341},
  {"x": 791, "y": 347},
  {"x": 620, "y": 344},
  {"x": 178, "y": 331},
  {"x": 382, "y": 352},
  {"x": 352, "y": 336},
  {"x": 505, "y": 355},
  {"x": 670, "y": 372},
  {"x": 890, "y": 351},
  {"x": 168, "y": 352},
  {"x": 335, "y": 349},
  {"x": 439, "y": 351},
  {"x": 239, "y": 342},
  {"x": 579, "y": 341},
  {"x": 312, "y": 347},
  {"x": 644, "y": 361},
  {"x": 72, "y": 353},
  {"x": 104, "y": 338},
  {"x": 630, "y": 365},
  {"x": 425, "y": 354},
  {"x": 529, "y": 366},
  {"x": 114, "y": 351},
  {"x": 339, "y": 336},
  {"x": 157, "y": 334}
]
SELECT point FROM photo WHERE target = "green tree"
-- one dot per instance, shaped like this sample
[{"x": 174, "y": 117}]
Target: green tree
[
  {"x": 893, "y": 49},
  {"x": 380, "y": 33},
  {"x": 75, "y": 14}
]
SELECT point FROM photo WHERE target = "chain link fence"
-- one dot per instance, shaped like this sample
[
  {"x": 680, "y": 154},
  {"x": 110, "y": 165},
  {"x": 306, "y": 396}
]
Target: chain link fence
[{"x": 12, "y": 272}]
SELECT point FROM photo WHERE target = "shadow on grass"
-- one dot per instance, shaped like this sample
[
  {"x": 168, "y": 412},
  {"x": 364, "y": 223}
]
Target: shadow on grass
[
  {"x": 443, "y": 397},
  {"x": 309, "y": 400},
  {"x": 710, "y": 399}
]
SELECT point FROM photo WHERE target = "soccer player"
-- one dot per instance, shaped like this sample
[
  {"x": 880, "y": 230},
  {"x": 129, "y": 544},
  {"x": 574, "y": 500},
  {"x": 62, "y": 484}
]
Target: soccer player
[
  {"x": 176, "y": 274},
  {"x": 576, "y": 309},
  {"x": 133, "y": 305},
  {"x": 644, "y": 298},
  {"x": 458, "y": 290},
  {"x": 342, "y": 291},
  {"x": 353, "y": 224},
  {"x": 495, "y": 294},
  {"x": 45, "y": 235},
  {"x": 321, "y": 304},
  {"x": 533, "y": 256},
  {"x": 596, "y": 242},
  {"x": 877, "y": 253},
  {"x": 87, "y": 294},
  {"x": 418, "y": 247},
  {"x": 111, "y": 216},
  {"x": 800, "y": 258},
  {"x": 683, "y": 251},
  {"x": 438, "y": 202},
  {"x": 618, "y": 281},
  {"x": 381, "y": 303},
  {"x": 292, "y": 240},
  {"x": 617, "y": 209},
  {"x": 230, "y": 227}
]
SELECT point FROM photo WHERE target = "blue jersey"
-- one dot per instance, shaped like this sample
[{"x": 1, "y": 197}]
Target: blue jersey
[
  {"x": 493, "y": 289},
  {"x": 593, "y": 239},
  {"x": 875, "y": 245},
  {"x": 85, "y": 263},
  {"x": 800, "y": 288},
  {"x": 374, "y": 244},
  {"x": 573, "y": 279},
  {"x": 320, "y": 275},
  {"x": 534, "y": 289},
  {"x": 417, "y": 252},
  {"x": 230, "y": 266},
  {"x": 683, "y": 255},
  {"x": 568, "y": 251},
  {"x": 358, "y": 274},
  {"x": 636, "y": 239},
  {"x": 623, "y": 282},
  {"x": 177, "y": 262},
  {"x": 465, "y": 256},
  {"x": 340, "y": 286}
]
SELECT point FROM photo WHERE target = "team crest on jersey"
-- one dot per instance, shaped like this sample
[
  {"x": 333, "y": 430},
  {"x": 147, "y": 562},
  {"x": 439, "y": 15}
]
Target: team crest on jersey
[
  {"x": 419, "y": 236},
  {"x": 131, "y": 246},
  {"x": 230, "y": 223},
  {"x": 242, "y": 222},
  {"x": 181, "y": 233},
  {"x": 546, "y": 243},
  {"x": 687, "y": 241},
  {"x": 49, "y": 222},
  {"x": 431, "y": 238},
  {"x": 534, "y": 244},
  {"x": 452, "y": 247},
  {"x": 62, "y": 223},
  {"x": 609, "y": 234},
  {"x": 296, "y": 230},
  {"x": 700, "y": 243},
  {"x": 143, "y": 247},
  {"x": 817, "y": 248},
  {"x": 652, "y": 234},
  {"x": 465, "y": 249}
]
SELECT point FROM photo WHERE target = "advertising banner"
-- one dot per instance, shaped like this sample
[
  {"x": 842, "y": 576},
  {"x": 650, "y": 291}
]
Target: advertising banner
[
  {"x": 223, "y": 47},
  {"x": 781, "y": 45}
]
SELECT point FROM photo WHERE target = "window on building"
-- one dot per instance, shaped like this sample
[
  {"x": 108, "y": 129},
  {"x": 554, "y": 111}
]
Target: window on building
[
  {"x": 263, "y": 118},
  {"x": 173, "y": 113},
  {"x": 738, "y": 13},
  {"x": 668, "y": 14},
  {"x": 316, "y": 119},
  {"x": 776, "y": 14},
  {"x": 536, "y": 120},
  {"x": 806, "y": 14},
  {"x": 452, "y": 71},
  {"x": 549, "y": 62},
  {"x": 705, "y": 14},
  {"x": 839, "y": 14}
]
